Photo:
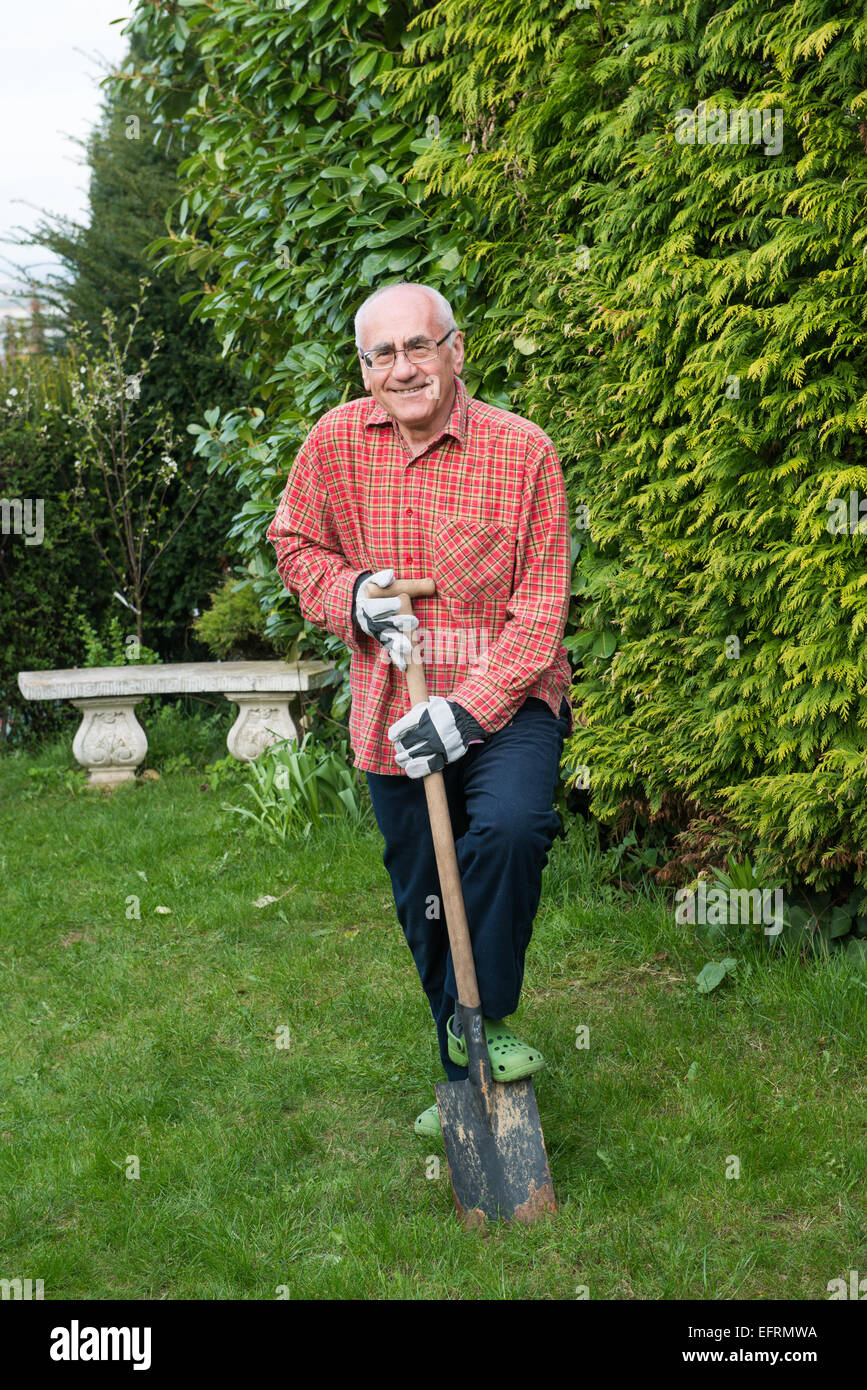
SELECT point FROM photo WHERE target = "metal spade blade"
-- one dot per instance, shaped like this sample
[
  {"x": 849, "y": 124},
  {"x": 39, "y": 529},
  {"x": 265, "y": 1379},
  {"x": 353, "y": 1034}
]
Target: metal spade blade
[{"x": 493, "y": 1140}]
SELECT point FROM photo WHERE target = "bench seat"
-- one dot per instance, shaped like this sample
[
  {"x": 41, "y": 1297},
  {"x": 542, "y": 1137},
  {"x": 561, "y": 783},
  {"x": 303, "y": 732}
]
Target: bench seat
[{"x": 111, "y": 743}]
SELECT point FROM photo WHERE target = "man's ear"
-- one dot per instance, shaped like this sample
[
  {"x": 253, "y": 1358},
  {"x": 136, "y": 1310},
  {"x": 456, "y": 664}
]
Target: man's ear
[
  {"x": 458, "y": 350},
  {"x": 365, "y": 375}
]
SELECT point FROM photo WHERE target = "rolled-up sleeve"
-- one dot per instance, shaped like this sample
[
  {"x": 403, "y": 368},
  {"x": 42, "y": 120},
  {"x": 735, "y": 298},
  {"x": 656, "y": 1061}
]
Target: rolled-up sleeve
[
  {"x": 539, "y": 604},
  {"x": 309, "y": 559}
]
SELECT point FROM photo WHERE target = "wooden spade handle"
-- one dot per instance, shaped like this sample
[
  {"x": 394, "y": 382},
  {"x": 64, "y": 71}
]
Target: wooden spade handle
[
  {"x": 438, "y": 810},
  {"x": 415, "y": 588}
]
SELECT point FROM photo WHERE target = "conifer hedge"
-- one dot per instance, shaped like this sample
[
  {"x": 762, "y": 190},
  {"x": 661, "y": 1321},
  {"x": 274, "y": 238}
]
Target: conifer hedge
[{"x": 690, "y": 292}]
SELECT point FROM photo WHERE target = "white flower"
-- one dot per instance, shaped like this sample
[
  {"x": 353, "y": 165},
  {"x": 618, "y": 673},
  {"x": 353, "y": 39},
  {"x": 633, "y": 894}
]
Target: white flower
[{"x": 13, "y": 390}]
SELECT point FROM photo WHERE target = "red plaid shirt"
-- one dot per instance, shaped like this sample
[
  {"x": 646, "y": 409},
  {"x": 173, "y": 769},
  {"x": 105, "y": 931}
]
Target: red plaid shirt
[{"x": 482, "y": 509}]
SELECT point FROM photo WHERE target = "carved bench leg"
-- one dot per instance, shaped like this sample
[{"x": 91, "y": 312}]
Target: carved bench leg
[
  {"x": 262, "y": 719},
  {"x": 110, "y": 742}
]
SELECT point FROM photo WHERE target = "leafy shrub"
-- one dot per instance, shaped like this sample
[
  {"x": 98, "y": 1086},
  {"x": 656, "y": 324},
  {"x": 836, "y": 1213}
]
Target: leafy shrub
[
  {"x": 233, "y": 628},
  {"x": 111, "y": 647},
  {"x": 58, "y": 609},
  {"x": 44, "y": 584},
  {"x": 225, "y": 772},
  {"x": 103, "y": 263}
]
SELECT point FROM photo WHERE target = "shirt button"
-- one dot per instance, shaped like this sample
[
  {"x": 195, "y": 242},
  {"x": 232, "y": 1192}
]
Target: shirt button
[
  {"x": 409, "y": 559},
  {"x": 409, "y": 511}
]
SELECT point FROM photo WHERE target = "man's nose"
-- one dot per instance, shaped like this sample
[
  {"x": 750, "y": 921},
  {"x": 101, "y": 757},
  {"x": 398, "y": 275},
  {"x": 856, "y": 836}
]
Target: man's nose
[{"x": 403, "y": 368}]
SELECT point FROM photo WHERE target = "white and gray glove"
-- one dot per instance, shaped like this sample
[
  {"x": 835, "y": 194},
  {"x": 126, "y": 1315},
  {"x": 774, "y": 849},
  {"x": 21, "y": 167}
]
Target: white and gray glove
[
  {"x": 433, "y": 733},
  {"x": 381, "y": 618}
]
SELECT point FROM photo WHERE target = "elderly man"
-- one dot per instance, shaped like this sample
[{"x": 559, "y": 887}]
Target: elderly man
[{"x": 419, "y": 479}]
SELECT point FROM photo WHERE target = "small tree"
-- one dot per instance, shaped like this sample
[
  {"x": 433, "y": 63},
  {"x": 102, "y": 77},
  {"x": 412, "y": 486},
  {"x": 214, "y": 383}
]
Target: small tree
[{"x": 126, "y": 468}]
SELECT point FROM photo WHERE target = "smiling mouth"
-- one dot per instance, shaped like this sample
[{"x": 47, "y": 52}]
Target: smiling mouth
[{"x": 407, "y": 391}]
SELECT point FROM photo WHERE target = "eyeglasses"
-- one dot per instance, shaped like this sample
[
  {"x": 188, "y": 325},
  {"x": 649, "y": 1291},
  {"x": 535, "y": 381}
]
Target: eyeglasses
[{"x": 422, "y": 350}]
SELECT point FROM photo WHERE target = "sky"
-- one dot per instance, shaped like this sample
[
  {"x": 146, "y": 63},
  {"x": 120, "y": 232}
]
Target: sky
[{"x": 53, "y": 54}]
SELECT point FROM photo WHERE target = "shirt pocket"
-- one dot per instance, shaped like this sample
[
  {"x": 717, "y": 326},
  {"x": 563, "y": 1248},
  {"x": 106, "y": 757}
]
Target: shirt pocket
[{"x": 472, "y": 559}]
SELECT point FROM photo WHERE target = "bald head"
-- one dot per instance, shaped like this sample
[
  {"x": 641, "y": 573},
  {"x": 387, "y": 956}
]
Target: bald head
[{"x": 402, "y": 300}]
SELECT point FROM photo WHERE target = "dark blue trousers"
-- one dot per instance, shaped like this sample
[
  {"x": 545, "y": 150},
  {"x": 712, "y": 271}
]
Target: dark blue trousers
[{"x": 500, "y": 796}]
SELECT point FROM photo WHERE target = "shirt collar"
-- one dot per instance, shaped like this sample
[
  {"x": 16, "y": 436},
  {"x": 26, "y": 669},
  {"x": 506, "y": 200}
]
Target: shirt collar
[{"x": 456, "y": 425}]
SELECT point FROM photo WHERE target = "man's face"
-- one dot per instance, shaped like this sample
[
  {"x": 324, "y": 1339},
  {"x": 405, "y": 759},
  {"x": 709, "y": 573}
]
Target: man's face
[{"x": 416, "y": 394}]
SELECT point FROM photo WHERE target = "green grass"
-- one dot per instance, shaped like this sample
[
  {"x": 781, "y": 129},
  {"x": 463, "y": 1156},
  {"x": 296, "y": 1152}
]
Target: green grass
[{"x": 262, "y": 1166}]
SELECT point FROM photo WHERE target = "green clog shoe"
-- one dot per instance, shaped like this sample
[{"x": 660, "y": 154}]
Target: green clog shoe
[
  {"x": 428, "y": 1123},
  {"x": 511, "y": 1058}
]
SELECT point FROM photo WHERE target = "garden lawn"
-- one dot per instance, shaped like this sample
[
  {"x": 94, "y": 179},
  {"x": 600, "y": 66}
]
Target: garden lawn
[{"x": 148, "y": 1044}]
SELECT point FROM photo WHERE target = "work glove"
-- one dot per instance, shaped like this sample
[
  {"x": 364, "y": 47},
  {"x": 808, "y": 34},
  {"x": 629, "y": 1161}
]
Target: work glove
[
  {"x": 433, "y": 733},
  {"x": 381, "y": 618}
]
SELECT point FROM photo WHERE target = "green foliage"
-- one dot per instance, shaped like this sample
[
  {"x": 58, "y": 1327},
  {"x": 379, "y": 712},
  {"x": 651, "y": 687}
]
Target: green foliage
[
  {"x": 821, "y": 923},
  {"x": 113, "y": 647},
  {"x": 628, "y": 862},
  {"x": 126, "y": 467},
  {"x": 294, "y": 787},
  {"x": 233, "y": 628},
  {"x": 689, "y": 323},
  {"x": 713, "y": 973},
  {"x": 225, "y": 772},
  {"x": 235, "y": 450},
  {"x": 132, "y": 181},
  {"x": 813, "y": 922},
  {"x": 746, "y": 924},
  {"x": 685, "y": 320},
  {"x": 44, "y": 583},
  {"x": 742, "y": 878},
  {"x": 188, "y": 733},
  {"x": 68, "y": 779}
]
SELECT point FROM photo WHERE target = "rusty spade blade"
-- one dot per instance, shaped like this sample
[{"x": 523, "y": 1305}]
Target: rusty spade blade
[{"x": 493, "y": 1140}]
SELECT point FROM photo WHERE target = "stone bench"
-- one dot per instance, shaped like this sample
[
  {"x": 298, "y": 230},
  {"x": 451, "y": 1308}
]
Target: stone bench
[{"x": 111, "y": 743}]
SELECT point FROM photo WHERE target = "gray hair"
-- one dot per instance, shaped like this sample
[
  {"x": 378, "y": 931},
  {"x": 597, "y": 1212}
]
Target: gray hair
[{"x": 444, "y": 309}]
